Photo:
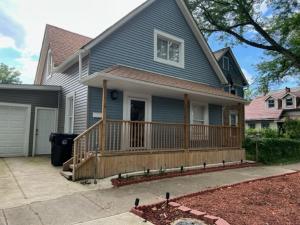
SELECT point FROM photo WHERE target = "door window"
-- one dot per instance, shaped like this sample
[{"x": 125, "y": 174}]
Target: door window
[{"x": 69, "y": 114}]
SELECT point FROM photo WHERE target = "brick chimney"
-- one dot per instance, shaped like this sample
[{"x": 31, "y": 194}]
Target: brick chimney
[{"x": 287, "y": 90}]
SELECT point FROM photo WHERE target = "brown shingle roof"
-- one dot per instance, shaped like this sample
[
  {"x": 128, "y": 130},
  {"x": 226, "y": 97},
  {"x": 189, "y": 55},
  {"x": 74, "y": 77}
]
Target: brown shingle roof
[
  {"x": 159, "y": 79},
  {"x": 63, "y": 43}
]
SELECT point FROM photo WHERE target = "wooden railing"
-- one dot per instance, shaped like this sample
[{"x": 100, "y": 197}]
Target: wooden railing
[
  {"x": 133, "y": 136},
  {"x": 86, "y": 144}
]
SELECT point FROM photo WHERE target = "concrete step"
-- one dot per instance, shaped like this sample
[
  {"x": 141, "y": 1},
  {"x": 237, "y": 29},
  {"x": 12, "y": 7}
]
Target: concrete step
[{"x": 67, "y": 174}]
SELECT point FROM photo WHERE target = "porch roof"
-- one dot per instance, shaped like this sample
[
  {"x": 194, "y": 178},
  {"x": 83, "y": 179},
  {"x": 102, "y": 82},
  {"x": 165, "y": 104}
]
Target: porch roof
[{"x": 134, "y": 75}]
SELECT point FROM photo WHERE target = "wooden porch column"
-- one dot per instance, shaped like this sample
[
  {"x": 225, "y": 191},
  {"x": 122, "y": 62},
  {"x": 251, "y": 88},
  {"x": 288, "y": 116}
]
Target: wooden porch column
[
  {"x": 103, "y": 127},
  {"x": 241, "y": 121},
  {"x": 186, "y": 122}
]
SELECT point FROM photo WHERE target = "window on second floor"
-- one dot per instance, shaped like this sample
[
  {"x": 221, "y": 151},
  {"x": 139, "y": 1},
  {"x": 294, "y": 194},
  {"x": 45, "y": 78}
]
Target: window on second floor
[
  {"x": 225, "y": 63},
  {"x": 289, "y": 101},
  {"x": 168, "y": 49},
  {"x": 271, "y": 103}
]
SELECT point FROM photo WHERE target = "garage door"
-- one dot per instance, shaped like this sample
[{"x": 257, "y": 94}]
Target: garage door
[{"x": 14, "y": 129}]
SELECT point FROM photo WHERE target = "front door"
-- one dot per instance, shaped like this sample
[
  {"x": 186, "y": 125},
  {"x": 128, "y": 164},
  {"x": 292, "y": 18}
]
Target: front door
[
  {"x": 137, "y": 128},
  {"x": 45, "y": 124}
]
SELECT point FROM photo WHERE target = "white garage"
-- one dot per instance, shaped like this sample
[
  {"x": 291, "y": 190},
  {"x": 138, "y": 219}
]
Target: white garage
[{"x": 14, "y": 129}]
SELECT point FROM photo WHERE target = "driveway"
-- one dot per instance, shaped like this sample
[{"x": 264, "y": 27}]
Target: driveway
[{"x": 33, "y": 192}]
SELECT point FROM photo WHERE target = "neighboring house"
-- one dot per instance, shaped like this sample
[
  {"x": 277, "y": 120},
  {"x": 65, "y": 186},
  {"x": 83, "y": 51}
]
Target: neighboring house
[
  {"x": 272, "y": 109},
  {"x": 145, "y": 92}
]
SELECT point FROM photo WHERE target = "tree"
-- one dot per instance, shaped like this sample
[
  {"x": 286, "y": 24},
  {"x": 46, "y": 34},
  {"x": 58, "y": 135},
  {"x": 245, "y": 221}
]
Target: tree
[
  {"x": 271, "y": 25},
  {"x": 9, "y": 75}
]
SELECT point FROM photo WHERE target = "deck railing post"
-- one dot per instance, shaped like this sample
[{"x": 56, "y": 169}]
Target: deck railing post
[
  {"x": 103, "y": 124},
  {"x": 186, "y": 122}
]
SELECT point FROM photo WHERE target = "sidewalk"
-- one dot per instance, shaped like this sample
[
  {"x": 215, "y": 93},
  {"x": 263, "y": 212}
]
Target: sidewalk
[{"x": 107, "y": 206}]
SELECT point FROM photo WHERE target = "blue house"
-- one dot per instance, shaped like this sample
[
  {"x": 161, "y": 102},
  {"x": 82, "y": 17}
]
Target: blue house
[{"x": 147, "y": 92}]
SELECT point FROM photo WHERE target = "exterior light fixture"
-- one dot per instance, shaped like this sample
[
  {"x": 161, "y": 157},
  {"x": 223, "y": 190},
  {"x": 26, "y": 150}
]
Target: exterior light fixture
[
  {"x": 137, "y": 202},
  {"x": 167, "y": 196},
  {"x": 114, "y": 94}
]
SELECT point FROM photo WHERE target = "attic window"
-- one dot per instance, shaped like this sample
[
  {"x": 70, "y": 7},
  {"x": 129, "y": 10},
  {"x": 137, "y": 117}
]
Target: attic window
[
  {"x": 168, "y": 49},
  {"x": 289, "y": 101},
  {"x": 271, "y": 103},
  {"x": 225, "y": 63}
]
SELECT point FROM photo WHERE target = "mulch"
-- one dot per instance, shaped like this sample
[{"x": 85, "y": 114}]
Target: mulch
[
  {"x": 269, "y": 201},
  {"x": 118, "y": 182}
]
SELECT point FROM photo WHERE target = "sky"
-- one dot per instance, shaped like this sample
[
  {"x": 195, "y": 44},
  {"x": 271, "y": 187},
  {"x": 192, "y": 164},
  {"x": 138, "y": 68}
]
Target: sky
[{"x": 22, "y": 25}]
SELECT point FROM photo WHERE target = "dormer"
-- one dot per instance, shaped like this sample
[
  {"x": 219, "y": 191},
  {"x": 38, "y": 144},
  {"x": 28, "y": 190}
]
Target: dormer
[
  {"x": 271, "y": 103},
  {"x": 289, "y": 101}
]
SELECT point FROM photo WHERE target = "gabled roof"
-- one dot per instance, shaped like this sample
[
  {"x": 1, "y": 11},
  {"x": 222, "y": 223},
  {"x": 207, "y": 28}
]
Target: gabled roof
[
  {"x": 62, "y": 43},
  {"x": 190, "y": 21},
  {"x": 258, "y": 110},
  {"x": 221, "y": 52}
]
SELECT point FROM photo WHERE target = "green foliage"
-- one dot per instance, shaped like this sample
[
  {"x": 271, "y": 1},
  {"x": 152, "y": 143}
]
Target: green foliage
[
  {"x": 273, "y": 150},
  {"x": 292, "y": 129},
  {"x": 263, "y": 133},
  {"x": 9, "y": 75},
  {"x": 271, "y": 25}
]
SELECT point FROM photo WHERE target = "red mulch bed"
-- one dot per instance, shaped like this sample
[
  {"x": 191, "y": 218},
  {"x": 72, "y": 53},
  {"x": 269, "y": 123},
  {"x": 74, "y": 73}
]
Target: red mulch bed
[
  {"x": 117, "y": 182},
  {"x": 270, "y": 201}
]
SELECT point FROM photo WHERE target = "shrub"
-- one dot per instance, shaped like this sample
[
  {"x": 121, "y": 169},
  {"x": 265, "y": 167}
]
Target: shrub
[
  {"x": 263, "y": 133},
  {"x": 273, "y": 150},
  {"x": 292, "y": 129}
]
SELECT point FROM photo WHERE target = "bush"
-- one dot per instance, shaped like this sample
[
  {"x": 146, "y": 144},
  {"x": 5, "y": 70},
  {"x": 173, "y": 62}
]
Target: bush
[
  {"x": 292, "y": 129},
  {"x": 263, "y": 133},
  {"x": 273, "y": 150}
]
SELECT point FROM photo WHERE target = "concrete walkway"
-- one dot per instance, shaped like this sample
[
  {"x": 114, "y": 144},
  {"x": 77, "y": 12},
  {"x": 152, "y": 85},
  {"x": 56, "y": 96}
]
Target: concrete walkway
[{"x": 105, "y": 205}]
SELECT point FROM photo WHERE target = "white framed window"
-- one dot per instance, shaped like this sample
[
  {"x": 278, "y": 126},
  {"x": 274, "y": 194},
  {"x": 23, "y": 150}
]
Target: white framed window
[
  {"x": 49, "y": 64},
  {"x": 69, "y": 113},
  {"x": 168, "y": 49},
  {"x": 233, "y": 118},
  {"x": 199, "y": 113},
  {"x": 225, "y": 63},
  {"x": 289, "y": 101},
  {"x": 271, "y": 103}
]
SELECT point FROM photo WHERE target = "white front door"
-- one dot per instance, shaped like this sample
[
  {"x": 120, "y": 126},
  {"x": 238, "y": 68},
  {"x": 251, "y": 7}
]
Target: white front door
[{"x": 45, "y": 124}]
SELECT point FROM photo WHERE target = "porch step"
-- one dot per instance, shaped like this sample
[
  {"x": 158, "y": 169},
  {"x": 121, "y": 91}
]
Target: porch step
[{"x": 67, "y": 174}]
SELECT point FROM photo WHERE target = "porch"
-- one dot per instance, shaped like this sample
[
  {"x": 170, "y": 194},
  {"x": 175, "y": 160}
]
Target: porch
[{"x": 138, "y": 142}]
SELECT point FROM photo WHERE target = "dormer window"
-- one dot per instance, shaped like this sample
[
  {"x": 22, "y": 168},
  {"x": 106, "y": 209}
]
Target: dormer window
[
  {"x": 289, "y": 101},
  {"x": 168, "y": 49},
  {"x": 271, "y": 103},
  {"x": 225, "y": 63}
]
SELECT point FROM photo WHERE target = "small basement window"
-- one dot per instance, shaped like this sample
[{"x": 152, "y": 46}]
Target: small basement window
[
  {"x": 168, "y": 49},
  {"x": 225, "y": 63},
  {"x": 271, "y": 103}
]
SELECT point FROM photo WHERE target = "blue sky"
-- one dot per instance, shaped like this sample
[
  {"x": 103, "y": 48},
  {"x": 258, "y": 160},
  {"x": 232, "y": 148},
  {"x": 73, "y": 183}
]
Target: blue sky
[{"x": 22, "y": 25}]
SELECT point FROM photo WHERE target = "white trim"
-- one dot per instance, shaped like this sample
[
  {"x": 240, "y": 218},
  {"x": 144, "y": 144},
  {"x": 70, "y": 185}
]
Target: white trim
[
  {"x": 169, "y": 37},
  {"x": 35, "y": 124},
  {"x": 30, "y": 87},
  {"x": 206, "y": 113},
  {"x": 70, "y": 95},
  {"x": 49, "y": 65},
  {"x": 121, "y": 22},
  {"x": 201, "y": 40},
  {"x": 127, "y": 96},
  {"x": 237, "y": 117},
  {"x": 28, "y": 119},
  {"x": 186, "y": 91},
  {"x": 223, "y": 63}
]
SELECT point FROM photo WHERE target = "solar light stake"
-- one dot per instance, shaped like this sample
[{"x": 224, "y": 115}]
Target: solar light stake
[
  {"x": 136, "y": 203},
  {"x": 242, "y": 161},
  {"x": 148, "y": 171},
  {"x": 120, "y": 176},
  {"x": 224, "y": 163},
  {"x": 204, "y": 165},
  {"x": 167, "y": 196},
  {"x": 181, "y": 169}
]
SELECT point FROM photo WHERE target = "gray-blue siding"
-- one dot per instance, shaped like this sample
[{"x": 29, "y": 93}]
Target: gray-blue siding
[
  {"x": 133, "y": 45},
  {"x": 166, "y": 110}
]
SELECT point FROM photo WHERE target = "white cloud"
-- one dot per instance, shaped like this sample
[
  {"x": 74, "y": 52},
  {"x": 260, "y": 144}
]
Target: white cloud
[
  {"x": 7, "y": 42},
  {"x": 89, "y": 18},
  {"x": 248, "y": 75}
]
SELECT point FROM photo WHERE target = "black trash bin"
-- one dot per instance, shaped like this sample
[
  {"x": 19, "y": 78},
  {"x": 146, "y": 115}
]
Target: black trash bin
[{"x": 61, "y": 147}]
